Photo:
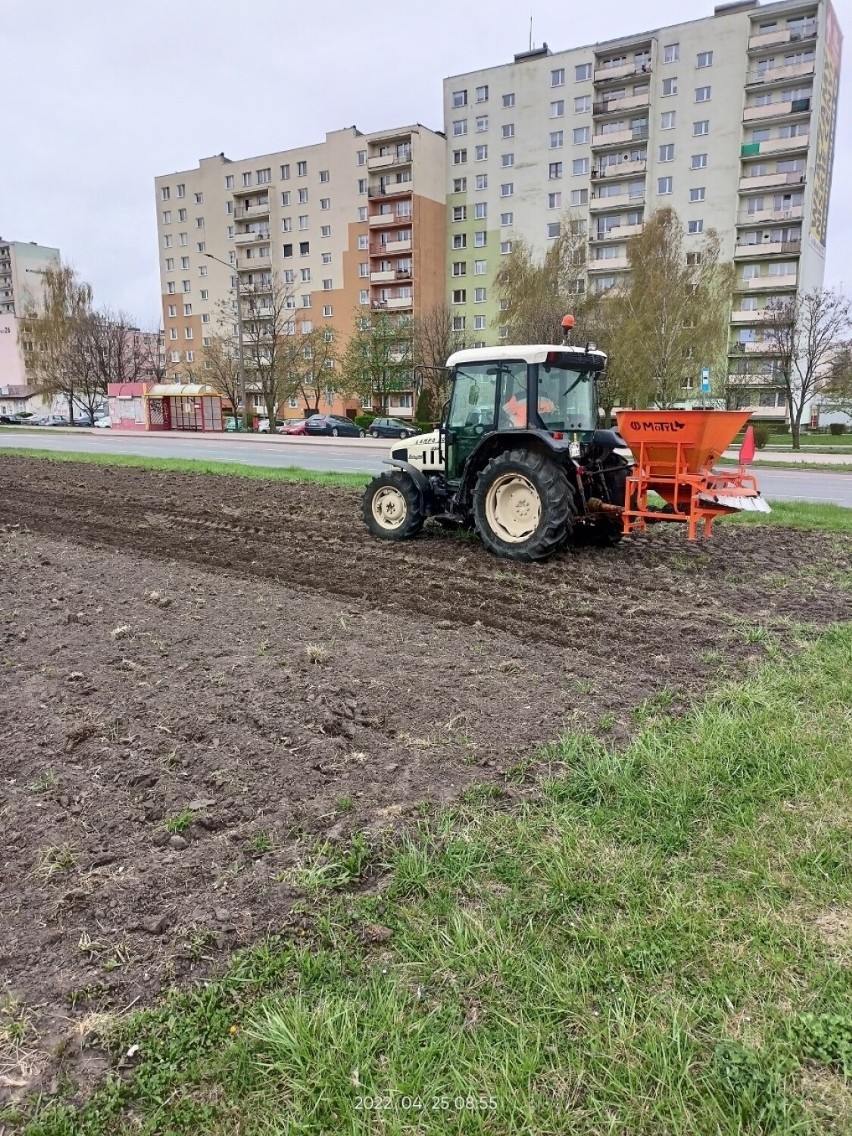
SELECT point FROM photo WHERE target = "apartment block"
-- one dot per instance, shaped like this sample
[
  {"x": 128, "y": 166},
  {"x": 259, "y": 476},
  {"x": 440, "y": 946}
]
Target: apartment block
[
  {"x": 351, "y": 224},
  {"x": 730, "y": 120},
  {"x": 21, "y": 266}
]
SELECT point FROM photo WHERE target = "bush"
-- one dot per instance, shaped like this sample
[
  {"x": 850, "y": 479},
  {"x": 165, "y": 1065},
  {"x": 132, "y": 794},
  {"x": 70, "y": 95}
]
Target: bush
[
  {"x": 762, "y": 434},
  {"x": 837, "y": 428},
  {"x": 364, "y": 421},
  {"x": 424, "y": 427}
]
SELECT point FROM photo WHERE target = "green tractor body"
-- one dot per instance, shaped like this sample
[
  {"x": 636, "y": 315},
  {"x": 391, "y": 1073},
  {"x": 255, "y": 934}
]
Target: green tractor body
[{"x": 518, "y": 455}]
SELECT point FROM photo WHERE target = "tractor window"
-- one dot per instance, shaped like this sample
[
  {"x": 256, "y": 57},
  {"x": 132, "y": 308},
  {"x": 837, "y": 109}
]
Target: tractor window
[
  {"x": 474, "y": 398},
  {"x": 566, "y": 398}
]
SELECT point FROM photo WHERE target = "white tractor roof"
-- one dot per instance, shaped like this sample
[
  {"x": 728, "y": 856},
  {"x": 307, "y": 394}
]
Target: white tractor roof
[{"x": 530, "y": 353}]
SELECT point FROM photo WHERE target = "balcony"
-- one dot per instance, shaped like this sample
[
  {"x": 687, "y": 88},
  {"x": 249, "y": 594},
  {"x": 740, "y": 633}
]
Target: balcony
[
  {"x": 608, "y": 264},
  {"x": 392, "y": 190},
  {"x": 251, "y": 238},
  {"x": 763, "y": 215},
  {"x": 782, "y": 145},
  {"x": 766, "y": 181},
  {"x": 616, "y": 106},
  {"x": 777, "y": 110},
  {"x": 619, "y": 169},
  {"x": 782, "y": 74},
  {"x": 755, "y": 347},
  {"x": 387, "y": 161},
  {"x": 602, "y": 139},
  {"x": 398, "y": 303},
  {"x": 243, "y": 190},
  {"x": 760, "y": 315},
  {"x": 616, "y": 233},
  {"x": 610, "y": 74},
  {"x": 382, "y": 220},
  {"x": 393, "y": 247},
  {"x": 259, "y": 209},
  {"x": 618, "y": 201},
  {"x": 780, "y": 36},
  {"x": 766, "y": 282},
  {"x": 767, "y": 248},
  {"x": 382, "y": 277}
]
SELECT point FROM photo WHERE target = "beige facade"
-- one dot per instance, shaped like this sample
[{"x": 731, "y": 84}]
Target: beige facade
[
  {"x": 728, "y": 119},
  {"x": 21, "y": 265},
  {"x": 351, "y": 224}
]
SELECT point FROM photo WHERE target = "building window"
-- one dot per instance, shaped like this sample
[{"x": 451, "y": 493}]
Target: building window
[
  {"x": 167, "y": 241},
  {"x": 664, "y": 185},
  {"x": 557, "y": 138},
  {"x": 362, "y": 185},
  {"x": 507, "y": 219},
  {"x": 459, "y": 240},
  {"x": 165, "y": 193},
  {"x": 554, "y": 228},
  {"x": 554, "y": 170},
  {"x": 184, "y": 262},
  {"x": 173, "y": 333},
  {"x": 479, "y": 324},
  {"x": 481, "y": 181},
  {"x": 669, "y": 86},
  {"x": 481, "y": 123},
  {"x": 507, "y": 130},
  {"x": 362, "y": 212},
  {"x": 287, "y": 225},
  {"x": 700, "y": 128},
  {"x": 303, "y": 196},
  {"x": 301, "y": 169},
  {"x": 459, "y": 127},
  {"x": 482, "y": 153},
  {"x": 285, "y": 171},
  {"x": 187, "y": 332},
  {"x": 303, "y": 221},
  {"x": 199, "y": 222},
  {"x": 580, "y": 135},
  {"x": 509, "y": 99},
  {"x": 363, "y": 296},
  {"x": 306, "y": 275},
  {"x": 507, "y": 160},
  {"x": 582, "y": 72},
  {"x": 247, "y": 178},
  {"x": 460, "y": 185},
  {"x": 671, "y": 53},
  {"x": 171, "y": 287},
  {"x": 167, "y": 216},
  {"x": 325, "y": 203},
  {"x": 460, "y": 296},
  {"x": 695, "y": 227},
  {"x": 264, "y": 176},
  {"x": 557, "y": 77},
  {"x": 667, "y": 120},
  {"x": 304, "y": 248},
  {"x": 186, "y": 285},
  {"x": 505, "y": 248},
  {"x": 479, "y": 295},
  {"x": 579, "y": 197},
  {"x": 460, "y": 98},
  {"x": 697, "y": 194},
  {"x": 361, "y": 158},
  {"x": 459, "y": 157},
  {"x": 579, "y": 167},
  {"x": 458, "y": 323},
  {"x": 480, "y": 210},
  {"x": 325, "y": 176},
  {"x": 699, "y": 162},
  {"x": 170, "y": 264},
  {"x": 667, "y": 152},
  {"x": 479, "y": 238},
  {"x": 459, "y": 268},
  {"x": 557, "y": 108},
  {"x": 705, "y": 59},
  {"x": 554, "y": 201},
  {"x": 172, "y": 310},
  {"x": 482, "y": 94},
  {"x": 582, "y": 104},
  {"x": 363, "y": 269},
  {"x": 480, "y": 267},
  {"x": 702, "y": 94}
]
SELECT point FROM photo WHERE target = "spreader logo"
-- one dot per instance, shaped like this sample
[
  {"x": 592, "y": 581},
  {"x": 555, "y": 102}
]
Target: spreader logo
[{"x": 658, "y": 427}]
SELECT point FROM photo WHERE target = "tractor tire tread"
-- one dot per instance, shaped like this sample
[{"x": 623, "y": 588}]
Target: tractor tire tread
[
  {"x": 557, "y": 504},
  {"x": 416, "y": 517}
]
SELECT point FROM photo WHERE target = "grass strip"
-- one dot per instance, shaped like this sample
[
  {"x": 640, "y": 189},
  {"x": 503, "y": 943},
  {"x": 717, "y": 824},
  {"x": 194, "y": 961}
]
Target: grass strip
[
  {"x": 807, "y": 466},
  {"x": 194, "y": 465},
  {"x": 814, "y": 517},
  {"x": 652, "y": 943}
]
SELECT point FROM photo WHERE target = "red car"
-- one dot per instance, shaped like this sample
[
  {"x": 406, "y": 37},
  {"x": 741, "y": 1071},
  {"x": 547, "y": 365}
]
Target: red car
[{"x": 296, "y": 427}]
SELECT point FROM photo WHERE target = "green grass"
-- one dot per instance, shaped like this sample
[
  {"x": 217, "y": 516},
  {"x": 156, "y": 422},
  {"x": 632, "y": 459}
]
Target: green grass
[
  {"x": 799, "y": 515},
  {"x": 191, "y": 465},
  {"x": 809, "y": 466},
  {"x": 644, "y": 946}
]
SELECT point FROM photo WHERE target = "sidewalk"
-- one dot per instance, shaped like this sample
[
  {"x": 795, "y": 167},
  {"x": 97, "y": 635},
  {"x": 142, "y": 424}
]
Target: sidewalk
[{"x": 797, "y": 457}]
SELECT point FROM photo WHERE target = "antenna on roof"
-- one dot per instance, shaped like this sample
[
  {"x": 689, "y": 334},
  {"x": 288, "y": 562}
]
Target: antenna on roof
[{"x": 531, "y": 22}]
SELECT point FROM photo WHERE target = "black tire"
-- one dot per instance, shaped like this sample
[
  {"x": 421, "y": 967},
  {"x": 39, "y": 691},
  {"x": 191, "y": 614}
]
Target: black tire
[
  {"x": 374, "y": 433},
  {"x": 334, "y": 432},
  {"x": 392, "y": 506},
  {"x": 402, "y": 434},
  {"x": 541, "y": 485},
  {"x": 362, "y": 433}
]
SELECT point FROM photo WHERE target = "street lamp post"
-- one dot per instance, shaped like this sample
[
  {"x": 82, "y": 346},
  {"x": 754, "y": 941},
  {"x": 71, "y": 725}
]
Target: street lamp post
[{"x": 242, "y": 370}]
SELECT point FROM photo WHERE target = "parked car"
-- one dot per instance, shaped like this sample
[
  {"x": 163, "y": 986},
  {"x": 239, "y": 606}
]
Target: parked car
[
  {"x": 50, "y": 420},
  {"x": 331, "y": 424},
  {"x": 263, "y": 425},
  {"x": 11, "y": 420},
  {"x": 104, "y": 423},
  {"x": 298, "y": 426},
  {"x": 391, "y": 428}
]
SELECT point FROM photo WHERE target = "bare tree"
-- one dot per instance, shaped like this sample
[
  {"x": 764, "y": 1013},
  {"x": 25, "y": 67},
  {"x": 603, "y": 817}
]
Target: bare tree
[
  {"x": 377, "y": 361},
  {"x": 806, "y": 333},
  {"x": 220, "y": 360},
  {"x": 837, "y": 387},
  {"x": 314, "y": 366},
  {"x": 672, "y": 313},
  {"x": 434, "y": 340},
  {"x": 51, "y": 334},
  {"x": 270, "y": 342},
  {"x": 153, "y": 365}
]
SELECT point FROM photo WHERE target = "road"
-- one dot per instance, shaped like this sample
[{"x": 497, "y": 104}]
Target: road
[{"x": 359, "y": 456}]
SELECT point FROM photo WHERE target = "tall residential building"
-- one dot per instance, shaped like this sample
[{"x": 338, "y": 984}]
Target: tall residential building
[
  {"x": 21, "y": 265},
  {"x": 352, "y": 224},
  {"x": 730, "y": 120}
]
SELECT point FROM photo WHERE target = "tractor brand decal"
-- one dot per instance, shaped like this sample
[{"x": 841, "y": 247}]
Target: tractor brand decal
[
  {"x": 827, "y": 124},
  {"x": 658, "y": 427}
]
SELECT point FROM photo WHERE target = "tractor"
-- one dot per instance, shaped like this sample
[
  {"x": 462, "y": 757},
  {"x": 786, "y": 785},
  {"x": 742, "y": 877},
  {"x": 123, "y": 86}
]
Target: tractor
[{"x": 519, "y": 456}]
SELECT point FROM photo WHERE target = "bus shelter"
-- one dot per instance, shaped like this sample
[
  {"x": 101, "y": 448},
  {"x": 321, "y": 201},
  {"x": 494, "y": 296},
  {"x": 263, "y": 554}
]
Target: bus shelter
[{"x": 184, "y": 406}]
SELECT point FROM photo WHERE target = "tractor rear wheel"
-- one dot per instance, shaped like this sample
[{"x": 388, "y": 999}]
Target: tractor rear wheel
[
  {"x": 523, "y": 505},
  {"x": 393, "y": 507}
]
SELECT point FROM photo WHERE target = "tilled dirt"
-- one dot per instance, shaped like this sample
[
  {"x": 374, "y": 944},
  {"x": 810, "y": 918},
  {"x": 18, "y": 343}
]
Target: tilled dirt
[{"x": 204, "y": 677}]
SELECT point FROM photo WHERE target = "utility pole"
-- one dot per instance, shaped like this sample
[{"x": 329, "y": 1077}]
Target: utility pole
[{"x": 241, "y": 359}]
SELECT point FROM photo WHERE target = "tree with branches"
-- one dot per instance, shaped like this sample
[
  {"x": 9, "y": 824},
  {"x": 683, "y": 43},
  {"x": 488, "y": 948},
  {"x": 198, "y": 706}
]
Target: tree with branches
[
  {"x": 434, "y": 340},
  {"x": 314, "y": 366},
  {"x": 52, "y": 334},
  {"x": 377, "y": 361},
  {"x": 807, "y": 333},
  {"x": 270, "y": 343}
]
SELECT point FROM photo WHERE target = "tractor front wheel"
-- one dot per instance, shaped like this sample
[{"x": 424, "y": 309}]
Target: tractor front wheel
[
  {"x": 523, "y": 505},
  {"x": 393, "y": 507}
]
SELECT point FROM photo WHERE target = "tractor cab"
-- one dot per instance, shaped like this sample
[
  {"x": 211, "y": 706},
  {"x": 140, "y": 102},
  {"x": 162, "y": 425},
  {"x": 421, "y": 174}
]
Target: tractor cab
[{"x": 539, "y": 388}]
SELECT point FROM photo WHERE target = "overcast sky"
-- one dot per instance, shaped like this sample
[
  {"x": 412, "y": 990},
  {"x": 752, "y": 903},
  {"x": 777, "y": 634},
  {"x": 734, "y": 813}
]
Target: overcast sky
[{"x": 102, "y": 95}]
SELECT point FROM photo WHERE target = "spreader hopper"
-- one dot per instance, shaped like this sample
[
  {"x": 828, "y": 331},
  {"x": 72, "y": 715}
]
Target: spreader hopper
[{"x": 674, "y": 452}]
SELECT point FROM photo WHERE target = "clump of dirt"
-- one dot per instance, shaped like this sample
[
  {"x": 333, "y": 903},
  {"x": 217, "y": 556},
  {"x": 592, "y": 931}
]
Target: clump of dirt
[{"x": 209, "y": 682}]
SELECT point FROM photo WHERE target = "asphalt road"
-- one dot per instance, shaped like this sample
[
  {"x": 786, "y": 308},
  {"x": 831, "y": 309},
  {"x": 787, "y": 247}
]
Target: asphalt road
[{"x": 360, "y": 456}]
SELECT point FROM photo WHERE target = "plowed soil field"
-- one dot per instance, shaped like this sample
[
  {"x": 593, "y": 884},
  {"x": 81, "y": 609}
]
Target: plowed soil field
[{"x": 205, "y": 678}]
